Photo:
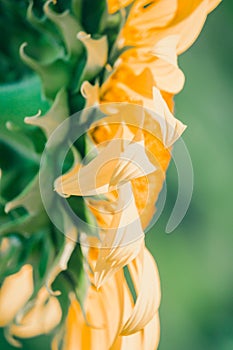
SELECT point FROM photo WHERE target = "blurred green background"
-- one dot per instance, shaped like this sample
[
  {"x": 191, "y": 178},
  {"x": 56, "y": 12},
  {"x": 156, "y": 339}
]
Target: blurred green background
[{"x": 195, "y": 261}]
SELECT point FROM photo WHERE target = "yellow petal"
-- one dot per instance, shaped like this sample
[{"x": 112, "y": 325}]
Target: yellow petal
[
  {"x": 151, "y": 333},
  {"x": 188, "y": 23},
  {"x": 132, "y": 341},
  {"x": 167, "y": 75},
  {"x": 123, "y": 241},
  {"x": 142, "y": 19},
  {"x": 164, "y": 18},
  {"x": 41, "y": 318},
  {"x": 161, "y": 60},
  {"x": 213, "y": 4},
  {"x": 14, "y": 293},
  {"x": 134, "y": 163},
  {"x": 148, "y": 299},
  {"x": 170, "y": 128},
  {"x": 160, "y": 131}
]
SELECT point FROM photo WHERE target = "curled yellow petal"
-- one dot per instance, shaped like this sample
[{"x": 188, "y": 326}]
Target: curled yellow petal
[
  {"x": 40, "y": 319},
  {"x": 149, "y": 295},
  {"x": 123, "y": 240},
  {"x": 120, "y": 160},
  {"x": 15, "y": 291}
]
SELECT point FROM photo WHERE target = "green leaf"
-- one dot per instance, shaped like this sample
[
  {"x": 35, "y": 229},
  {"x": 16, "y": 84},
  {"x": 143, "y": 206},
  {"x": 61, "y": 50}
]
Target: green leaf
[
  {"x": 20, "y": 99},
  {"x": 20, "y": 143}
]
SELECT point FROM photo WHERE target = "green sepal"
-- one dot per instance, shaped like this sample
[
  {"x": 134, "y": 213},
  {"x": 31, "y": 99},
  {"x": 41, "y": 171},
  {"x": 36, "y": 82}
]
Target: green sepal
[
  {"x": 33, "y": 219},
  {"x": 68, "y": 26},
  {"x": 96, "y": 56},
  {"x": 58, "y": 112},
  {"x": 42, "y": 24},
  {"x": 11, "y": 258},
  {"x": 54, "y": 75},
  {"x": 77, "y": 276},
  {"x": 36, "y": 250},
  {"x": 28, "y": 199}
]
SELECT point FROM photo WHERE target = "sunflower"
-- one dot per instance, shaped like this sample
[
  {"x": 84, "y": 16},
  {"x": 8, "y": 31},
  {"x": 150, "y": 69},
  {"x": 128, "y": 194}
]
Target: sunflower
[{"x": 97, "y": 283}]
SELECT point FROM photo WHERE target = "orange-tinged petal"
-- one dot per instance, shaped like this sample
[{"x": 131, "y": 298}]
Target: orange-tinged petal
[
  {"x": 115, "y": 5},
  {"x": 144, "y": 18},
  {"x": 166, "y": 127},
  {"x": 103, "y": 317},
  {"x": 15, "y": 291},
  {"x": 146, "y": 25},
  {"x": 78, "y": 334},
  {"x": 161, "y": 60}
]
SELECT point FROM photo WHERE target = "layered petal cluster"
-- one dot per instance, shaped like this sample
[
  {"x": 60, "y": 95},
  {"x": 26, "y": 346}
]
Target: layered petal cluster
[
  {"x": 154, "y": 33},
  {"x": 151, "y": 20},
  {"x": 112, "y": 319},
  {"x": 133, "y": 152},
  {"x": 128, "y": 171}
]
